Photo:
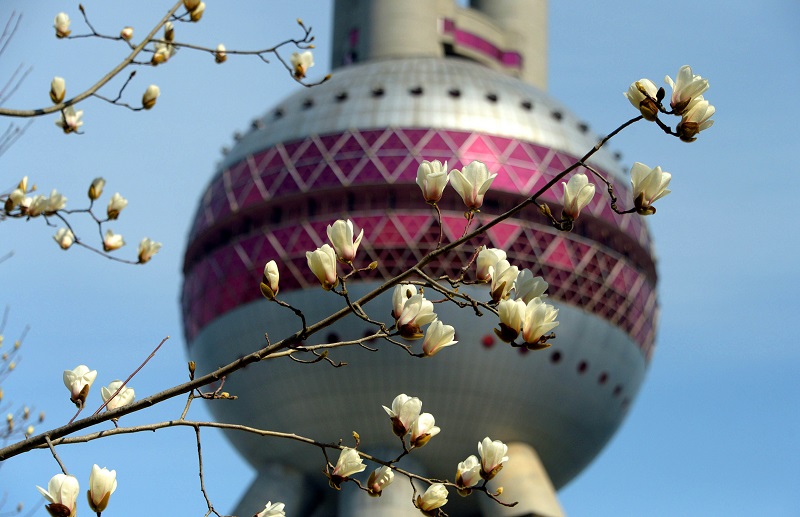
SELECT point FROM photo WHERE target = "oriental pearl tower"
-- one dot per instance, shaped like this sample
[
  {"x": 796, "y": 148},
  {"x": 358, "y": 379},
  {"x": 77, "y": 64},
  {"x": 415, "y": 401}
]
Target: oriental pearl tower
[{"x": 419, "y": 80}]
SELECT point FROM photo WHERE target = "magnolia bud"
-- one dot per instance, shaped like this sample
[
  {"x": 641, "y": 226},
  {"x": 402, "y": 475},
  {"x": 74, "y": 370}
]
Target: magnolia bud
[
  {"x": 57, "y": 90},
  {"x": 169, "y": 31},
  {"x": 126, "y": 33},
  {"x": 150, "y": 96},
  {"x": 191, "y": 5},
  {"x": 220, "y": 56},
  {"x": 96, "y": 188},
  {"x": 197, "y": 12}
]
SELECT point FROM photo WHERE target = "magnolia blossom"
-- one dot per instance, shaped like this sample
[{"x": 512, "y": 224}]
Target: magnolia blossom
[
  {"x": 197, "y": 12},
  {"x": 58, "y": 88},
  {"x": 434, "y": 497},
  {"x": 61, "y": 24},
  {"x": 379, "y": 479},
  {"x": 487, "y": 260},
  {"x": 272, "y": 510},
  {"x": 402, "y": 292},
  {"x": 528, "y": 287},
  {"x": 417, "y": 312},
  {"x": 539, "y": 319},
  {"x": 432, "y": 178},
  {"x": 648, "y": 186},
  {"x": 437, "y": 337},
  {"x": 696, "y": 118},
  {"x": 37, "y": 205},
  {"x": 270, "y": 280},
  {"x": 349, "y": 463},
  {"x": 191, "y": 5},
  {"x": 493, "y": 455},
  {"x": 301, "y": 62},
  {"x": 685, "y": 88},
  {"x": 341, "y": 235},
  {"x": 102, "y": 483},
  {"x": 423, "y": 429},
  {"x": 471, "y": 183},
  {"x": 126, "y": 33},
  {"x": 322, "y": 263},
  {"x": 150, "y": 95},
  {"x": 62, "y": 493},
  {"x": 148, "y": 248},
  {"x": 70, "y": 120},
  {"x": 115, "y": 206},
  {"x": 503, "y": 277},
  {"x": 162, "y": 52},
  {"x": 512, "y": 314},
  {"x": 64, "y": 237},
  {"x": 55, "y": 202},
  {"x": 468, "y": 473},
  {"x": 220, "y": 55},
  {"x": 78, "y": 382},
  {"x": 405, "y": 410},
  {"x": 578, "y": 192},
  {"x": 112, "y": 241},
  {"x": 96, "y": 188},
  {"x": 643, "y": 94},
  {"x": 169, "y": 31},
  {"x": 125, "y": 396},
  {"x": 14, "y": 199}
]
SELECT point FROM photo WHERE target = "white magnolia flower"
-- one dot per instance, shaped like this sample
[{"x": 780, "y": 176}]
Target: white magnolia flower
[
  {"x": 487, "y": 260},
  {"x": 78, "y": 382},
  {"x": 493, "y": 455},
  {"x": 169, "y": 31},
  {"x": 61, "y": 24},
  {"x": 62, "y": 494},
  {"x": 648, "y": 186},
  {"x": 148, "y": 248},
  {"x": 434, "y": 497},
  {"x": 529, "y": 287},
  {"x": 432, "y": 178},
  {"x": 405, "y": 410},
  {"x": 685, "y": 88},
  {"x": 64, "y": 237},
  {"x": 70, "y": 120},
  {"x": 102, "y": 483},
  {"x": 512, "y": 314},
  {"x": 437, "y": 337},
  {"x": 96, "y": 188},
  {"x": 112, "y": 241},
  {"x": 468, "y": 473},
  {"x": 58, "y": 88},
  {"x": 349, "y": 463},
  {"x": 270, "y": 280},
  {"x": 116, "y": 205},
  {"x": 696, "y": 118},
  {"x": 150, "y": 96},
  {"x": 423, "y": 429},
  {"x": 503, "y": 277},
  {"x": 379, "y": 479},
  {"x": 125, "y": 396},
  {"x": 220, "y": 55},
  {"x": 272, "y": 510},
  {"x": 55, "y": 202},
  {"x": 322, "y": 263},
  {"x": 301, "y": 62},
  {"x": 471, "y": 183},
  {"x": 126, "y": 33},
  {"x": 37, "y": 205},
  {"x": 578, "y": 193},
  {"x": 402, "y": 292},
  {"x": 341, "y": 235},
  {"x": 162, "y": 52},
  {"x": 417, "y": 312},
  {"x": 540, "y": 318},
  {"x": 642, "y": 95}
]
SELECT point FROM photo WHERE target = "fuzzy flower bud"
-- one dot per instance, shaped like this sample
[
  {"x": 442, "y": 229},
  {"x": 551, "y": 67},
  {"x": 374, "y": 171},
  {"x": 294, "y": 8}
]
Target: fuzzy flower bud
[
  {"x": 126, "y": 33},
  {"x": 191, "y": 5},
  {"x": 64, "y": 237},
  {"x": 169, "y": 31},
  {"x": 58, "y": 88},
  {"x": 61, "y": 24},
  {"x": 150, "y": 95},
  {"x": 220, "y": 55},
  {"x": 96, "y": 188},
  {"x": 270, "y": 280},
  {"x": 197, "y": 12}
]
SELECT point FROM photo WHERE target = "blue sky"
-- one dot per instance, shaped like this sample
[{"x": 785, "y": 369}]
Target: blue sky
[{"x": 713, "y": 431}]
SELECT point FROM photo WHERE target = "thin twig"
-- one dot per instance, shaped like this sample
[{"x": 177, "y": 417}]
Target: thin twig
[{"x": 55, "y": 455}]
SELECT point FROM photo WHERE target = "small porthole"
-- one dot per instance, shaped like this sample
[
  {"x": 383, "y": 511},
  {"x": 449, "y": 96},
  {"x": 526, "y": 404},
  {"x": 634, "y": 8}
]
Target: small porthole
[
  {"x": 416, "y": 91},
  {"x": 582, "y": 367},
  {"x": 491, "y": 97},
  {"x": 378, "y": 92},
  {"x": 526, "y": 105},
  {"x": 341, "y": 96},
  {"x": 454, "y": 92}
]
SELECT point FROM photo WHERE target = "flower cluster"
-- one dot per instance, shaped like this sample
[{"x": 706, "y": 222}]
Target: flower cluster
[
  {"x": 471, "y": 182},
  {"x": 411, "y": 312},
  {"x": 406, "y": 417},
  {"x": 686, "y": 101},
  {"x": 470, "y": 471},
  {"x": 62, "y": 492},
  {"x": 79, "y": 381},
  {"x": 322, "y": 261}
]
